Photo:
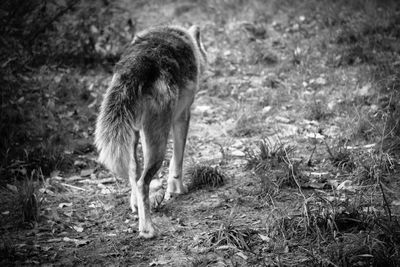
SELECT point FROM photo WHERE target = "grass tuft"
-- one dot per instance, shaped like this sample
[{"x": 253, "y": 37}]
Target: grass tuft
[
  {"x": 378, "y": 246},
  {"x": 317, "y": 111},
  {"x": 268, "y": 155},
  {"x": 273, "y": 165},
  {"x": 205, "y": 177},
  {"x": 28, "y": 201},
  {"x": 247, "y": 125},
  {"x": 8, "y": 252},
  {"x": 341, "y": 157},
  {"x": 230, "y": 236}
]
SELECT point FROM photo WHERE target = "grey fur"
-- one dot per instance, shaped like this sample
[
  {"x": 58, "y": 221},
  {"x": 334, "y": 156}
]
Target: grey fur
[{"x": 151, "y": 91}]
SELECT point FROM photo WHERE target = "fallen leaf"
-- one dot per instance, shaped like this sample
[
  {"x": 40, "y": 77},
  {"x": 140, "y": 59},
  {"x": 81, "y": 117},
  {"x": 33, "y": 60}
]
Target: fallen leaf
[
  {"x": 238, "y": 153},
  {"x": 347, "y": 185},
  {"x": 87, "y": 172},
  {"x": 77, "y": 228},
  {"x": 314, "y": 185},
  {"x": 68, "y": 213},
  {"x": 320, "y": 81},
  {"x": 266, "y": 109},
  {"x": 320, "y": 174},
  {"x": 64, "y": 204},
  {"x": 396, "y": 202},
  {"x": 47, "y": 191},
  {"x": 54, "y": 173},
  {"x": 241, "y": 254},
  {"x": 286, "y": 250},
  {"x": 108, "y": 207},
  {"x": 13, "y": 188},
  {"x": 282, "y": 119},
  {"x": 264, "y": 238},
  {"x": 78, "y": 242},
  {"x": 315, "y": 135},
  {"x": 159, "y": 262},
  {"x": 365, "y": 90},
  {"x": 80, "y": 163}
]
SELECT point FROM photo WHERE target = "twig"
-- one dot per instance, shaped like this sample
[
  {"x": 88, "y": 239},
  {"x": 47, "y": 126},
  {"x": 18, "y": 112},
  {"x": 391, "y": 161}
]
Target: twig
[
  {"x": 293, "y": 174},
  {"x": 329, "y": 150},
  {"x": 378, "y": 177},
  {"x": 72, "y": 186},
  {"x": 309, "y": 162}
]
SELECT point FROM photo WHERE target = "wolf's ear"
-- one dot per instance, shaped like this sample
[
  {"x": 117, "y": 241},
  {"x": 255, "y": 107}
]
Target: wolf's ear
[{"x": 195, "y": 32}]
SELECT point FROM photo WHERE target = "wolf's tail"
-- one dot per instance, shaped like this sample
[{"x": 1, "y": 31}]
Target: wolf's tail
[{"x": 115, "y": 127}]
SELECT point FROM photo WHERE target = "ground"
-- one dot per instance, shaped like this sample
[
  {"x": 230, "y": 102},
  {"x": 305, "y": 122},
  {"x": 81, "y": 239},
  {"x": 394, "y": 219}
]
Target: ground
[{"x": 297, "y": 111}]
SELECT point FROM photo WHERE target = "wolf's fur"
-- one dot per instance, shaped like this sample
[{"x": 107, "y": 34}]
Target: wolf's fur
[{"x": 151, "y": 92}]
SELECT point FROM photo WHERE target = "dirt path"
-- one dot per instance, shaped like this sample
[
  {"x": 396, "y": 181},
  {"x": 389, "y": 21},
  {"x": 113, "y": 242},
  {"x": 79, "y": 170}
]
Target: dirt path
[{"x": 270, "y": 78}]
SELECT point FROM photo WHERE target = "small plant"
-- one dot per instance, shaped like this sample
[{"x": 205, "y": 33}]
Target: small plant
[
  {"x": 203, "y": 261},
  {"x": 317, "y": 111},
  {"x": 379, "y": 246},
  {"x": 8, "y": 252},
  {"x": 246, "y": 125},
  {"x": 272, "y": 163},
  {"x": 268, "y": 156},
  {"x": 230, "y": 235},
  {"x": 205, "y": 176},
  {"x": 372, "y": 166},
  {"x": 341, "y": 157},
  {"x": 28, "y": 201}
]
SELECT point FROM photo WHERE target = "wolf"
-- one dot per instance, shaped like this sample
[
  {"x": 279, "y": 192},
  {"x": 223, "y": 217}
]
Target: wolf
[{"x": 151, "y": 92}]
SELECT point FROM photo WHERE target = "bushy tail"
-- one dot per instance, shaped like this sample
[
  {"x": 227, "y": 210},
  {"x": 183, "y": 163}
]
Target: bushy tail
[{"x": 115, "y": 127}]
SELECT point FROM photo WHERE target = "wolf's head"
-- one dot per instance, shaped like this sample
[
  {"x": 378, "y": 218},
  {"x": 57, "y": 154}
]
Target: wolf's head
[{"x": 194, "y": 31}]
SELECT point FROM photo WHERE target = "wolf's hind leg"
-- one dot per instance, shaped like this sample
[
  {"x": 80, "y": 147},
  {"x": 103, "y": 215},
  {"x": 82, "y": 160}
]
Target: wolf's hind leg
[
  {"x": 154, "y": 136},
  {"x": 134, "y": 172},
  {"x": 180, "y": 130}
]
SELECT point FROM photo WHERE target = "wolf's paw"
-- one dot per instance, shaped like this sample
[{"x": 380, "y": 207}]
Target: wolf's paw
[
  {"x": 170, "y": 195},
  {"x": 156, "y": 198},
  {"x": 157, "y": 193},
  {"x": 148, "y": 232}
]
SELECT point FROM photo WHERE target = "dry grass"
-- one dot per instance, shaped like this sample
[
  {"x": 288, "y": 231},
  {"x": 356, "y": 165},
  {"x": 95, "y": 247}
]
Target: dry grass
[
  {"x": 205, "y": 177},
  {"x": 273, "y": 164},
  {"x": 341, "y": 157},
  {"x": 228, "y": 235},
  {"x": 342, "y": 232},
  {"x": 29, "y": 201}
]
